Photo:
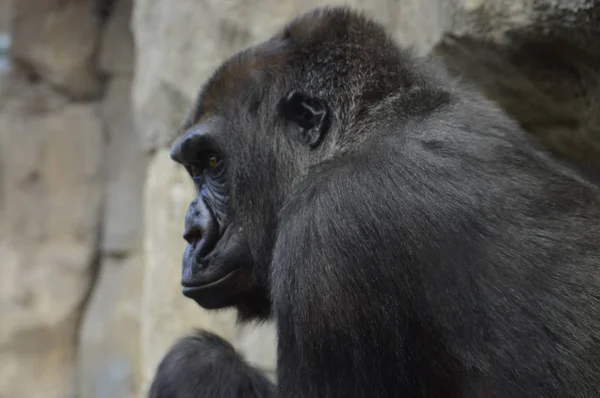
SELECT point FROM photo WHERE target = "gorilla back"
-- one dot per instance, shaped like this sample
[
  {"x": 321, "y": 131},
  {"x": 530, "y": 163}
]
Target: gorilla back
[{"x": 408, "y": 237}]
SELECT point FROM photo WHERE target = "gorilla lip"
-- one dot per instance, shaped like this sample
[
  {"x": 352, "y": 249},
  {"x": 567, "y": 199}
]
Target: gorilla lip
[
  {"x": 208, "y": 285},
  {"x": 193, "y": 291}
]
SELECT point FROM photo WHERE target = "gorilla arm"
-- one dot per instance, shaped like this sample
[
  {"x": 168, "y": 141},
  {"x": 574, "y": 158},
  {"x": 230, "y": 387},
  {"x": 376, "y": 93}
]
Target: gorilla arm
[{"x": 204, "y": 365}]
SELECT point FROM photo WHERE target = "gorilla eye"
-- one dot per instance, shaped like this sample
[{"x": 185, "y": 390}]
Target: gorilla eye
[
  {"x": 213, "y": 161},
  {"x": 195, "y": 172},
  {"x": 208, "y": 162}
]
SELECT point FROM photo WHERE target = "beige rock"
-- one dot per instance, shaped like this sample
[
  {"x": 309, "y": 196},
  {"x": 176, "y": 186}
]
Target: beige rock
[
  {"x": 116, "y": 48},
  {"x": 4, "y": 15},
  {"x": 125, "y": 172},
  {"x": 109, "y": 353},
  {"x": 51, "y": 155},
  {"x": 57, "y": 41}
]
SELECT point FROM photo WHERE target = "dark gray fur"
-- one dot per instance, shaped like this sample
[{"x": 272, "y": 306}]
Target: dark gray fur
[
  {"x": 427, "y": 247},
  {"x": 203, "y": 365}
]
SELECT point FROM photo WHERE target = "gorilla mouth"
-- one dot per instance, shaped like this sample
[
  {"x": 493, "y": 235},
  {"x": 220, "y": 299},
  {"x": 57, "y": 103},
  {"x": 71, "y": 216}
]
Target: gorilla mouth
[
  {"x": 216, "y": 280},
  {"x": 209, "y": 287},
  {"x": 208, "y": 284},
  {"x": 213, "y": 294}
]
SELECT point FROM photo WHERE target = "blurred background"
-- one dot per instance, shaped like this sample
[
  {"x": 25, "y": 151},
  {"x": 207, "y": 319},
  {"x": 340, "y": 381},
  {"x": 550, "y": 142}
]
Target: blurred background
[{"x": 91, "y": 206}]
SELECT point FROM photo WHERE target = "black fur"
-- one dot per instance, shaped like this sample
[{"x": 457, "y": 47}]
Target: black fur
[
  {"x": 204, "y": 365},
  {"x": 426, "y": 247}
]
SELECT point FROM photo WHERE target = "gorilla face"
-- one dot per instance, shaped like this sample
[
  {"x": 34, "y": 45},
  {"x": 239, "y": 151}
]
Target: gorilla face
[
  {"x": 231, "y": 225},
  {"x": 218, "y": 267},
  {"x": 253, "y": 133},
  {"x": 241, "y": 172}
]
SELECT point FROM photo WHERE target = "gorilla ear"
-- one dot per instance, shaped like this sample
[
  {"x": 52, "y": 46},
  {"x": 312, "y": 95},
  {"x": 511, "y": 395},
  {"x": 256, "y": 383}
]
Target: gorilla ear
[{"x": 307, "y": 118}]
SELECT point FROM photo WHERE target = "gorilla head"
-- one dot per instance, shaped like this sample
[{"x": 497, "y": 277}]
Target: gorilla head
[{"x": 260, "y": 123}]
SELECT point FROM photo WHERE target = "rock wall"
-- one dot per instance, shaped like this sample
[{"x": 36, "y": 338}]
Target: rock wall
[
  {"x": 4, "y": 15},
  {"x": 91, "y": 206},
  {"x": 108, "y": 362},
  {"x": 50, "y": 225},
  {"x": 51, "y": 160}
]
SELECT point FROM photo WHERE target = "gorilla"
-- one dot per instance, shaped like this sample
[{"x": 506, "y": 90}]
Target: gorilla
[{"x": 408, "y": 238}]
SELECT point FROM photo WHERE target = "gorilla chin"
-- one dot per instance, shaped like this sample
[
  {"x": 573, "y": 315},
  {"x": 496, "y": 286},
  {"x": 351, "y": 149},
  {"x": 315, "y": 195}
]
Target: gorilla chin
[{"x": 216, "y": 294}]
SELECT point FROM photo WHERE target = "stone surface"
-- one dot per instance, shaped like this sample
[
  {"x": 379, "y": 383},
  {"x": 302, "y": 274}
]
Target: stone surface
[
  {"x": 109, "y": 355},
  {"x": 57, "y": 41},
  {"x": 116, "y": 48},
  {"x": 4, "y": 15},
  {"x": 51, "y": 157},
  {"x": 109, "y": 350},
  {"x": 125, "y": 172},
  {"x": 109, "y": 339}
]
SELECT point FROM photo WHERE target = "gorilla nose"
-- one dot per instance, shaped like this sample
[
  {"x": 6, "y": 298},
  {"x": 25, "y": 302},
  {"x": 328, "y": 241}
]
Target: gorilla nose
[
  {"x": 201, "y": 228},
  {"x": 192, "y": 235}
]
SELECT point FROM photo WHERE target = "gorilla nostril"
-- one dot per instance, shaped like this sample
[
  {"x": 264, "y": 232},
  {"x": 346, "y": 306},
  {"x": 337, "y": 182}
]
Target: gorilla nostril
[{"x": 193, "y": 236}]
